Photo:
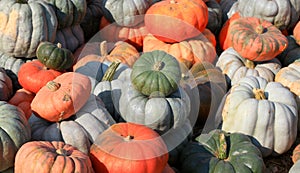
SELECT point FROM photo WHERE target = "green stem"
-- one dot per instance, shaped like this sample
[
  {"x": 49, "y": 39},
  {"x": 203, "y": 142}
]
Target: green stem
[
  {"x": 222, "y": 150},
  {"x": 110, "y": 72}
]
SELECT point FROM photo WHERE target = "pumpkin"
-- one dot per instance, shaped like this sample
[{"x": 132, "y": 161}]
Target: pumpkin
[
  {"x": 133, "y": 35},
  {"x": 51, "y": 156},
  {"x": 296, "y": 33},
  {"x": 295, "y": 168},
  {"x": 70, "y": 37},
  {"x": 296, "y": 154},
  {"x": 214, "y": 23},
  {"x": 219, "y": 151},
  {"x": 33, "y": 75},
  {"x": 123, "y": 12},
  {"x": 235, "y": 67},
  {"x": 176, "y": 20},
  {"x": 156, "y": 73},
  {"x": 6, "y": 86},
  {"x": 62, "y": 97},
  {"x": 256, "y": 39},
  {"x": 291, "y": 53},
  {"x": 22, "y": 98},
  {"x": 20, "y": 36},
  {"x": 256, "y": 107},
  {"x": 197, "y": 49},
  {"x": 54, "y": 56},
  {"x": 68, "y": 12},
  {"x": 283, "y": 14},
  {"x": 14, "y": 132},
  {"x": 80, "y": 130},
  {"x": 129, "y": 147}
]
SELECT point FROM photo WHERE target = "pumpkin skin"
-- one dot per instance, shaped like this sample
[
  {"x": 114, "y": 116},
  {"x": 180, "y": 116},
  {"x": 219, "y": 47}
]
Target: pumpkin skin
[
  {"x": 129, "y": 147},
  {"x": 80, "y": 130},
  {"x": 296, "y": 33},
  {"x": 235, "y": 67},
  {"x": 256, "y": 108},
  {"x": 20, "y": 36},
  {"x": 219, "y": 151},
  {"x": 22, "y": 98},
  {"x": 14, "y": 132},
  {"x": 256, "y": 39},
  {"x": 51, "y": 156},
  {"x": 156, "y": 73},
  {"x": 214, "y": 23},
  {"x": 54, "y": 56},
  {"x": 282, "y": 13},
  {"x": 34, "y": 75},
  {"x": 295, "y": 168},
  {"x": 62, "y": 97},
  {"x": 183, "y": 19},
  {"x": 190, "y": 51},
  {"x": 123, "y": 12},
  {"x": 296, "y": 154},
  {"x": 6, "y": 86},
  {"x": 291, "y": 53}
]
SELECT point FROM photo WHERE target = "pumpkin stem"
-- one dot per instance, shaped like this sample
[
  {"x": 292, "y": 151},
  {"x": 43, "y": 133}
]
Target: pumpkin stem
[
  {"x": 128, "y": 138},
  {"x": 53, "y": 86},
  {"x": 249, "y": 64},
  {"x": 59, "y": 45},
  {"x": 222, "y": 150},
  {"x": 110, "y": 72},
  {"x": 259, "y": 94},
  {"x": 62, "y": 151},
  {"x": 103, "y": 48},
  {"x": 259, "y": 29},
  {"x": 159, "y": 65}
]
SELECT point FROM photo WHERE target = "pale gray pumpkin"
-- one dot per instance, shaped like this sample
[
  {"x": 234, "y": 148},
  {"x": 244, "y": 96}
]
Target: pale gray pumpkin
[
  {"x": 284, "y": 14},
  {"x": 6, "y": 86},
  {"x": 295, "y": 168},
  {"x": 236, "y": 67},
  {"x": 124, "y": 12},
  {"x": 24, "y": 25},
  {"x": 158, "y": 113},
  {"x": 265, "y": 111},
  {"x": 14, "y": 132},
  {"x": 68, "y": 12},
  {"x": 80, "y": 130},
  {"x": 70, "y": 37}
]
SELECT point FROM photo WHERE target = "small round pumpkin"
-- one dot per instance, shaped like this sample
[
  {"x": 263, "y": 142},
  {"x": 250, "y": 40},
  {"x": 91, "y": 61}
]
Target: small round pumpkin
[
  {"x": 55, "y": 57},
  {"x": 62, "y": 97},
  {"x": 256, "y": 39},
  {"x": 156, "y": 73},
  {"x": 53, "y": 156},
  {"x": 129, "y": 147}
]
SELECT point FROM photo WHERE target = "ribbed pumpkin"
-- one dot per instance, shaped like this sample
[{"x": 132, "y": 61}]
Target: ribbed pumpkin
[
  {"x": 6, "y": 86},
  {"x": 189, "y": 51},
  {"x": 14, "y": 132},
  {"x": 265, "y": 111},
  {"x": 214, "y": 16},
  {"x": 51, "y": 156},
  {"x": 296, "y": 33},
  {"x": 62, "y": 97},
  {"x": 291, "y": 53},
  {"x": 219, "y": 151},
  {"x": 176, "y": 20},
  {"x": 80, "y": 130},
  {"x": 33, "y": 75},
  {"x": 235, "y": 67},
  {"x": 54, "y": 56},
  {"x": 24, "y": 25},
  {"x": 129, "y": 147},
  {"x": 256, "y": 39}
]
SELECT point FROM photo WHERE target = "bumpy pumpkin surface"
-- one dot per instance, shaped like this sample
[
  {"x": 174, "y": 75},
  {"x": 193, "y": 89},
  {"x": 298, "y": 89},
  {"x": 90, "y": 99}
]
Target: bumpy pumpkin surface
[
  {"x": 266, "y": 111},
  {"x": 55, "y": 156},
  {"x": 219, "y": 151},
  {"x": 14, "y": 132},
  {"x": 24, "y": 25}
]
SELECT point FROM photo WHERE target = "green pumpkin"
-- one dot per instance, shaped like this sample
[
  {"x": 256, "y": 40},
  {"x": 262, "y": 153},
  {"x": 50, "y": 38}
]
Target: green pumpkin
[
  {"x": 156, "y": 73},
  {"x": 54, "y": 56},
  {"x": 14, "y": 132},
  {"x": 221, "y": 152}
]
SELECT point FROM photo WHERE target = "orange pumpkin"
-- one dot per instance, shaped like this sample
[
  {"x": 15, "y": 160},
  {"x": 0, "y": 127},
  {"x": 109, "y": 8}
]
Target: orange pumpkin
[
  {"x": 256, "y": 39},
  {"x": 23, "y": 98},
  {"x": 62, "y": 97},
  {"x": 296, "y": 154},
  {"x": 113, "y": 33},
  {"x": 296, "y": 32},
  {"x": 130, "y": 148},
  {"x": 55, "y": 156},
  {"x": 188, "y": 52},
  {"x": 176, "y": 20}
]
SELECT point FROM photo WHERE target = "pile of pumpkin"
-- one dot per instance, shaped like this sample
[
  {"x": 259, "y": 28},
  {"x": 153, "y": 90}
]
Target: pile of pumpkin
[{"x": 148, "y": 85}]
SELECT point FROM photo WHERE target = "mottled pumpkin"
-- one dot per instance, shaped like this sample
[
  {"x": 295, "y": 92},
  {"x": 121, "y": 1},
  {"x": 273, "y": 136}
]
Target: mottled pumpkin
[{"x": 51, "y": 156}]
